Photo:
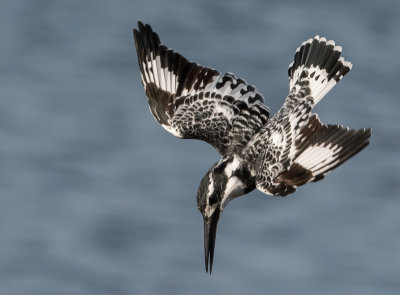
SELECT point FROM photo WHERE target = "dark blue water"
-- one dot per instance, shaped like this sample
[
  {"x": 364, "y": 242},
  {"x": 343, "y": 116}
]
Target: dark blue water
[{"x": 96, "y": 198}]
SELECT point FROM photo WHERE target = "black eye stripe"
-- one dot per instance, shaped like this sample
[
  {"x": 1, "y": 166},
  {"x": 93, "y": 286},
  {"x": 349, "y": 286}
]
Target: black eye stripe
[{"x": 220, "y": 167}]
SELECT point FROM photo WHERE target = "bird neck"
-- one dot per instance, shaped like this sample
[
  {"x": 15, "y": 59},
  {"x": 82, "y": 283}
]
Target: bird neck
[{"x": 240, "y": 180}]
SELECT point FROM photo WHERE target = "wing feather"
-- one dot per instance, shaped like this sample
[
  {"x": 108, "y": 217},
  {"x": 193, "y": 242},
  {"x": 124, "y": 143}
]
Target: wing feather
[
  {"x": 192, "y": 101},
  {"x": 316, "y": 150}
]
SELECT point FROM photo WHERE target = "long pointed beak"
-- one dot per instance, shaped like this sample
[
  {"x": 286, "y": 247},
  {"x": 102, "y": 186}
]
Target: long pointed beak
[{"x": 210, "y": 232}]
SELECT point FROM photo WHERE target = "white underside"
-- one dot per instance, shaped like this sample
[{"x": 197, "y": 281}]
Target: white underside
[{"x": 234, "y": 189}]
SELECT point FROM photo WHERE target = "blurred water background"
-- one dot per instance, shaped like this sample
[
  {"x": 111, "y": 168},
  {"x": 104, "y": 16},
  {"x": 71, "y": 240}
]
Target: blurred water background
[{"x": 96, "y": 198}]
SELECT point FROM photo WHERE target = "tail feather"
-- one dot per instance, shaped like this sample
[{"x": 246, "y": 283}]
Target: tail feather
[{"x": 319, "y": 62}]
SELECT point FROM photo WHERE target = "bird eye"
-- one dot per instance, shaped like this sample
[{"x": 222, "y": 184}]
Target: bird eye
[
  {"x": 219, "y": 167},
  {"x": 213, "y": 199}
]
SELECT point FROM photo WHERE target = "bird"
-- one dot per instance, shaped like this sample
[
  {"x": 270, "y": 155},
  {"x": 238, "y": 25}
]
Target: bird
[{"x": 272, "y": 154}]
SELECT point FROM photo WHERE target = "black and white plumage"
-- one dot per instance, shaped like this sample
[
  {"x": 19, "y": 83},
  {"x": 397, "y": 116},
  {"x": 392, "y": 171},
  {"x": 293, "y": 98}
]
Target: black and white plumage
[
  {"x": 192, "y": 101},
  {"x": 274, "y": 155}
]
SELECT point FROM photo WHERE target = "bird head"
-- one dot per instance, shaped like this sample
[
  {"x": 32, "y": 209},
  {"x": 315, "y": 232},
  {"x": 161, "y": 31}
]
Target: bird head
[{"x": 216, "y": 189}]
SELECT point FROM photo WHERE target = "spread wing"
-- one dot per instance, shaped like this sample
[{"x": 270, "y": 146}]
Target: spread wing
[
  {"x": 290, "y": 161},
  {"x": 192, "y": 101}
]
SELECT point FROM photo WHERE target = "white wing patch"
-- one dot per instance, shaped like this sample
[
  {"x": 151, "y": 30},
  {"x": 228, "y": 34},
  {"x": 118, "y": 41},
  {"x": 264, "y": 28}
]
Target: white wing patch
[
  {"x": 164, "y": 79},
  {"x": 316, "y": 157}
]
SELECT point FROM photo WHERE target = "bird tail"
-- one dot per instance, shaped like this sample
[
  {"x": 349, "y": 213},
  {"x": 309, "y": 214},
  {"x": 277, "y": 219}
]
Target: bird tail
[
  {"x": 320, "y": 148},
  {"x": 318, "y": 64}
]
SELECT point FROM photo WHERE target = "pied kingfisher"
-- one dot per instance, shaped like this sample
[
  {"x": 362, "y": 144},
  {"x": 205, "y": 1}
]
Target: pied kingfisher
[{"x": 274, "y": 155}]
